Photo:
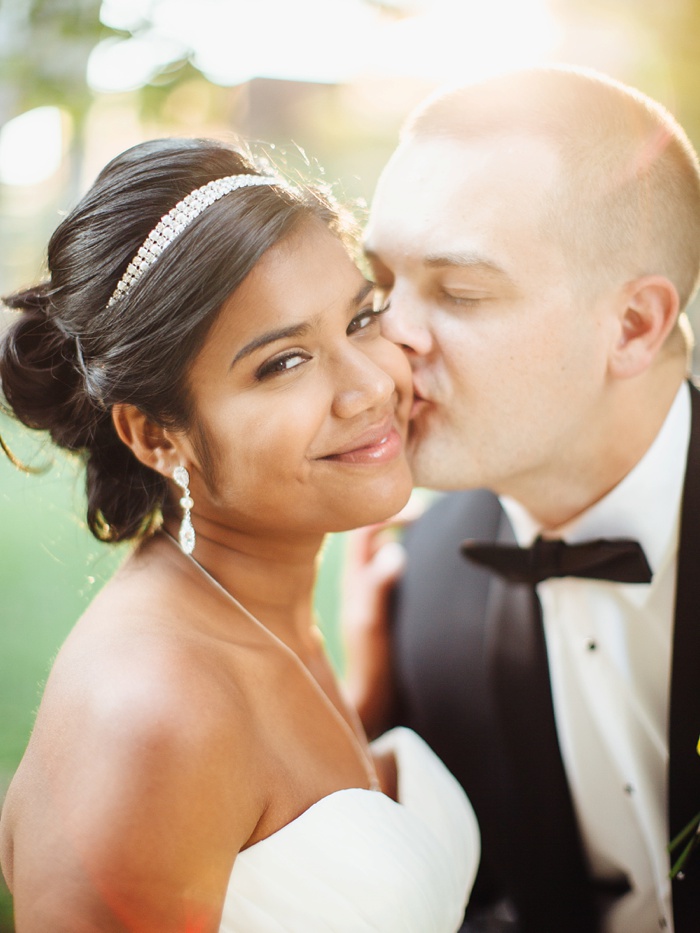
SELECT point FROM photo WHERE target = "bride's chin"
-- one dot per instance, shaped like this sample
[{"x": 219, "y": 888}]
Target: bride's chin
[{"x": 370, "y": 508}]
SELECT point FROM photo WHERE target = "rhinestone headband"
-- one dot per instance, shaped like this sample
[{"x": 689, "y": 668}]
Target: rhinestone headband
[{"x": 171, "y": 225}]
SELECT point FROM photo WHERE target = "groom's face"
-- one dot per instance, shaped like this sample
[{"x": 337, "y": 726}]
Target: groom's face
[{"x": 508, "y": 365}]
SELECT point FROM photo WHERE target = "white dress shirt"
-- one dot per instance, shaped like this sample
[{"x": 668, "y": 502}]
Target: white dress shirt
[{"x": 609, "y": 651}]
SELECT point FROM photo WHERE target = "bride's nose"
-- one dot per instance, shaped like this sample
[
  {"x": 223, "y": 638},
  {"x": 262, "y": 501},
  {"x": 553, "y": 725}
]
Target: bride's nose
[{"x": 361, "y": 385}]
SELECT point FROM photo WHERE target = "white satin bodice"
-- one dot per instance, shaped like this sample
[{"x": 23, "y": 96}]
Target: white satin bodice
[{"x": 357, "y": 861}]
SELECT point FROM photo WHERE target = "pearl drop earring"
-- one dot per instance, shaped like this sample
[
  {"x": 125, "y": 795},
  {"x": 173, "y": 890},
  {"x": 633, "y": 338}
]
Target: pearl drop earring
[{"x": 187, "y": 535}]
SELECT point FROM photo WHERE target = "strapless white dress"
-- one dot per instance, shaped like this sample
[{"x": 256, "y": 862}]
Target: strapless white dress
[{"x": 357, "y": 861}]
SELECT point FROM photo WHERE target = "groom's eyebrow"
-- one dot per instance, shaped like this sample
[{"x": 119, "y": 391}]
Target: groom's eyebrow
[{"x": 472, "y": 261}]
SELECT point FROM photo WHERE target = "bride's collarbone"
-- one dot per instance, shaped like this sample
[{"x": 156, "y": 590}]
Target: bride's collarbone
[
  {"x": 298, "y": 708},
  {"x": 285, "y": 681},
  {"x": 309, "y": 747}
]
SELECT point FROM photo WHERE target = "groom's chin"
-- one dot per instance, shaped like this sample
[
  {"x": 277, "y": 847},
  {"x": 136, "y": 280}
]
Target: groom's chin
[
  {"x": 427, "y": 468},
  {"x": 439, "y": 462}
]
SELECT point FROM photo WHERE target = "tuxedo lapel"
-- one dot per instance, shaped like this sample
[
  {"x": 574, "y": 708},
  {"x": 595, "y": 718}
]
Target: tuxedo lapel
[
  {"x": 540, "y": 848},
  {"x": 684, "y": 729}
]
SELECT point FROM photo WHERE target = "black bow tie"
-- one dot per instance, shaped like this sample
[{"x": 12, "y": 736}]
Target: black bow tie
[{"x": 619, "y": 559}]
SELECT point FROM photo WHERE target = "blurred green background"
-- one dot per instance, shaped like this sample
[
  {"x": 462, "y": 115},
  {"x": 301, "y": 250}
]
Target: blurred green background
[{"x": 324, "y": 84}]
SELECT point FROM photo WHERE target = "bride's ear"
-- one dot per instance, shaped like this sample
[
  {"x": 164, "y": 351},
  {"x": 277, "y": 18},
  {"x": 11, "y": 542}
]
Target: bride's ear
[{"x": 152, "y": 444}]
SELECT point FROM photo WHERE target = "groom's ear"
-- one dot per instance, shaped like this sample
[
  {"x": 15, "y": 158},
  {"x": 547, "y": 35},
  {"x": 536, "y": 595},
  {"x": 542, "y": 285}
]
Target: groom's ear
[
  {"x": 647, "y": 313},
  {"x": 152, "y": 444}
]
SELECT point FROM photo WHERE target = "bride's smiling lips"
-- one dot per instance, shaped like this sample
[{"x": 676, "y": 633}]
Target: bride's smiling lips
[{"x": 377, "y": 444}]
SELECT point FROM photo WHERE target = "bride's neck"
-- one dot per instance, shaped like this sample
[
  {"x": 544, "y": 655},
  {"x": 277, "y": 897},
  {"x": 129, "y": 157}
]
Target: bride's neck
[{"x": 273, "y": 579}]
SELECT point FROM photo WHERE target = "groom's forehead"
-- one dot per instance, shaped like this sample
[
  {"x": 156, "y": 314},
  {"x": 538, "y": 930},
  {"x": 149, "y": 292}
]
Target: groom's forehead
[
  {"x": 425, "y": 175},
  {"x": 446, "y": 200}
]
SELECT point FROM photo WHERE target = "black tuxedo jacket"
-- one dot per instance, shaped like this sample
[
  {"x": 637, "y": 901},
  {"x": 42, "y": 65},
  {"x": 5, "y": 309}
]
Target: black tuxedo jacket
[{"x": 472, "y": 679}]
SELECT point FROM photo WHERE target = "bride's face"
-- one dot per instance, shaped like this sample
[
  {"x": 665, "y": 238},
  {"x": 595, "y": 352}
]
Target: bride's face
[{"x": 301, "y": 406}]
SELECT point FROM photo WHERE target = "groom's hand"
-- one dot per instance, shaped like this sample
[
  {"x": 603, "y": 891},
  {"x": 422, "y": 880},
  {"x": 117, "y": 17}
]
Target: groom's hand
[{"x": 374, "y": 562}]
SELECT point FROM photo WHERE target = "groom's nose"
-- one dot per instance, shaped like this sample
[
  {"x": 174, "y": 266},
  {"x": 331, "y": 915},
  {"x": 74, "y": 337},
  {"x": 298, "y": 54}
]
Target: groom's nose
[{"x": 406, "y": 323}]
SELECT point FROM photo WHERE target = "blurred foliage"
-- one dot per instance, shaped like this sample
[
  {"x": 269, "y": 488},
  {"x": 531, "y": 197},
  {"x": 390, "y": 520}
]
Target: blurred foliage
[
  {"x": 662, "y": 47},
  {"x": 44, "y": 48},
  {"x": 45, "y": 45}
]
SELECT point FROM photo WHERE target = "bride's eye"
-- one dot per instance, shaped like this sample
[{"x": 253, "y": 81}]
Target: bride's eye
[
  {"x": 366, "y": 318},
  {"x": 282, "y": 364}
]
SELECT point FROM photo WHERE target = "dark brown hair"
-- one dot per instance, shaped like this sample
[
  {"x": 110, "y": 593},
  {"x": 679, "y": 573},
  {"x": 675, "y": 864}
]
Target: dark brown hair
[{"x": 69, "y": 357}]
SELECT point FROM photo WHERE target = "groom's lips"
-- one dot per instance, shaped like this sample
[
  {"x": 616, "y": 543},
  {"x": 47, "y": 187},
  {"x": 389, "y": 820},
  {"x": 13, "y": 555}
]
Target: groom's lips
[{"x": 420, "y": 402}]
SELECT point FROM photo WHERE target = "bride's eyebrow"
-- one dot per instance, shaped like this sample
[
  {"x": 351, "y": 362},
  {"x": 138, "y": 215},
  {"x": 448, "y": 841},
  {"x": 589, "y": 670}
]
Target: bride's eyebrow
[
  {"x": 293, "y": 330},
  {"x": 271, "y": 336},
  {"x": 364, "y": 290}
]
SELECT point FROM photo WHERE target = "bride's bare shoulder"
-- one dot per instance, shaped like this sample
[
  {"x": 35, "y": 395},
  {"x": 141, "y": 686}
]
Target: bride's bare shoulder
[
  {"x": 143, "y": 651},
  {"x": 143, "y": 748},
  {"x": 139, "y": 714},
  {"x": 140, "y": 678}
]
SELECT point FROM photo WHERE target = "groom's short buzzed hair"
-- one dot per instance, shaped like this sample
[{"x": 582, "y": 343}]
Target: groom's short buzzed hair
[{"x": 628, "y": 203}]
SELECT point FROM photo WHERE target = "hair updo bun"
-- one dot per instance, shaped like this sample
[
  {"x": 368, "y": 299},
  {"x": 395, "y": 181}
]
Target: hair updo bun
[
  {"x": 69, "y": 356},
  {"x": 41, "y": 375}
]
